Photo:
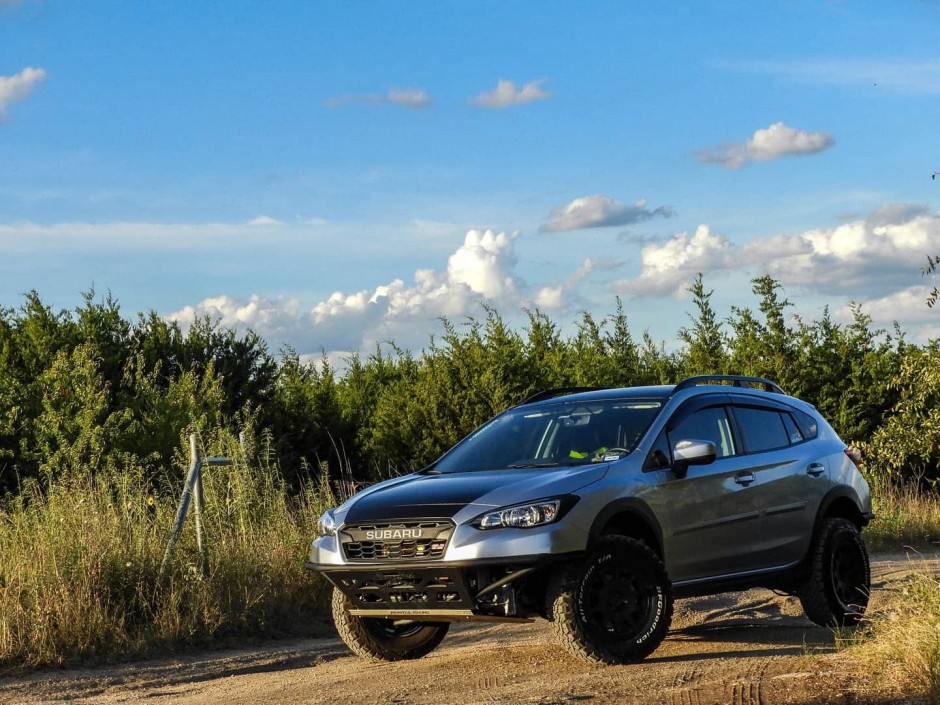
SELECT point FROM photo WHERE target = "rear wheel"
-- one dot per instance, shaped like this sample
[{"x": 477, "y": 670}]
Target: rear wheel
[
  {"x": 385, "y": 639},
  {"x": 835, "y": 593},
  {"x": 615, "y": 607}
]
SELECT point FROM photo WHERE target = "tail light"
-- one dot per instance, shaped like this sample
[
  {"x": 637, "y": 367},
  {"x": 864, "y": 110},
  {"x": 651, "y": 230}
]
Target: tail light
[{"x": 855, "y": 455}]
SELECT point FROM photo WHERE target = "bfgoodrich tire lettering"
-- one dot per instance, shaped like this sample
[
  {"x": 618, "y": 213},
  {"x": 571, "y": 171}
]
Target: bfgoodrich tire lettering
[
  {"x": 385, "y": 639},
  {"x": 835, "y": 593},
  {"x": 615, "y": 606}
]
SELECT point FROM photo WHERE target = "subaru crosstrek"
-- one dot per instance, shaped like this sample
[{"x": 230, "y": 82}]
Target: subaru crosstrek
[{"x": 594, "y": 509}]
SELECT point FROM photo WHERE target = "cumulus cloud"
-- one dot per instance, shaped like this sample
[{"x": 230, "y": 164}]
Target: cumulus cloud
[
  {"x": 600, "y": 211},
  {"x": 668, "y": 268},
  {"x": 860, "y": 259},
  {"x": 774, "y": 142},
  {"x": 16, "y": 87},
  {"x": 414, "y": 98},
  {"x": 481, "y": 269},
  {"x": 276, "y": 317},
  {"x": 507, "y": 93}
]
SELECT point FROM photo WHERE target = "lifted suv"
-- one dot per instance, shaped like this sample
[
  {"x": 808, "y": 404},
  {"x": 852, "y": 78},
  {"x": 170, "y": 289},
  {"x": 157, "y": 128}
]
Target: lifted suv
[{"x": 594, "y": 509}]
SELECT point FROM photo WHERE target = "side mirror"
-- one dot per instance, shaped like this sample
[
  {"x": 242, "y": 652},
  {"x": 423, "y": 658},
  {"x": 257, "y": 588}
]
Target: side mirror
[{"x": 691, "y": 452}]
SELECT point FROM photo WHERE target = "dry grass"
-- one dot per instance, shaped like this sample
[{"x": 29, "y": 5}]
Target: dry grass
[
  {"x": 900, "y": 644},
  {"x": 904, "y": 516},
  {"x": 80, "y": 564}
]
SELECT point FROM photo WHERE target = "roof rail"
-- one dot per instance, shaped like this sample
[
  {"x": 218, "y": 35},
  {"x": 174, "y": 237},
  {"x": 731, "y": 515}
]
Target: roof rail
[
  {"x": 557, "y": 392},
  {"x": 736, "y": 380}
]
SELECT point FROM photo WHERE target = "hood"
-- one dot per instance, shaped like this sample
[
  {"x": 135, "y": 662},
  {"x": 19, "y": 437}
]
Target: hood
[{"x": 426, "y": 496}]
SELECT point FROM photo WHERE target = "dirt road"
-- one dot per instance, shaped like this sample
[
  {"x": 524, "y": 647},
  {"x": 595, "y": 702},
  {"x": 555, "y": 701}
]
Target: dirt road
[{"x": 742, "y": 649}]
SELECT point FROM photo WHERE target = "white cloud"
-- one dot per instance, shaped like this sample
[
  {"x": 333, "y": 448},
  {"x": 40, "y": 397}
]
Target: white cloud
[
  {"x": 507, "y": 93},
  {"x": 860, "y": 259},
  {"x": 774, "y": 142},
  {"x": 668, "y": 268},
  {"x": 414, "y": 98},
  {"x": 599, "y": 211},
  {"x": 276, "y": 317},
  {"x": 549, "y": 298},
  {"x": 16, "y": 87},
  {"x": 481, "y": 269},
  {"x": 909, "y": 304}
]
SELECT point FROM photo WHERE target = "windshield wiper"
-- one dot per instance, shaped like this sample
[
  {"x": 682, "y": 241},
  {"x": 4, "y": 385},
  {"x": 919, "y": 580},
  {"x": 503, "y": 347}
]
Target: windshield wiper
[{"x": 518, "y": 466}]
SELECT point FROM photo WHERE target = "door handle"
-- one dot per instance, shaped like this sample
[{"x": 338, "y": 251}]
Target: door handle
[
  {"x": 816, "y": 469},
  {"x": 745, "y": 478}
]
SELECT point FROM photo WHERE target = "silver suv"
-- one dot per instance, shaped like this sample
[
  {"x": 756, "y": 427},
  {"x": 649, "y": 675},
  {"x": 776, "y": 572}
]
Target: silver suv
[{"x": 594, "y": 509}]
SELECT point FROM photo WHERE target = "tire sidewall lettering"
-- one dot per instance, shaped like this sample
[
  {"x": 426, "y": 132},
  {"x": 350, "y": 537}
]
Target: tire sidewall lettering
[{"x": 659, "y": 607}]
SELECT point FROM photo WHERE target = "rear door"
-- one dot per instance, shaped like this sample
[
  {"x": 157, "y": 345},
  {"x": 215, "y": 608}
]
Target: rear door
[{"x": 790, "y": 480}]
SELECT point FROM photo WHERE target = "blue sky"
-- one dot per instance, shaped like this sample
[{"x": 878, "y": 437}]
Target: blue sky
[{"x": 337, "y": 174}]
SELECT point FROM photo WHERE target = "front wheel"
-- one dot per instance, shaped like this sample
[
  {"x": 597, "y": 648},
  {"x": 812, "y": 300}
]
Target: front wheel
[
  {"x": 616, "y": 606},
  {"x": 385, "y": 639},
  {"x": 835, "y": 593}
]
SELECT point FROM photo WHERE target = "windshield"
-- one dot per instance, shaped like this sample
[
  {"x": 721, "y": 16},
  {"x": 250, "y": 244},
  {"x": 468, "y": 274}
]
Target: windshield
[{"x": 572, "y": 433}]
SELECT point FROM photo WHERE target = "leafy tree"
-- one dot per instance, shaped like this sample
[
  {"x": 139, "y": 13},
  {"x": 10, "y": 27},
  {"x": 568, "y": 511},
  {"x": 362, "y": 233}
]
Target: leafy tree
[{"x": 907, "y": 444}]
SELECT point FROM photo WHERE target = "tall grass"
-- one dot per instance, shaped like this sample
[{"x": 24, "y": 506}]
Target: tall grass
[
  {"x": 901, "y": 641},
  {"x": 80, "y": 560},
  {"x": 905, "y": 515}
]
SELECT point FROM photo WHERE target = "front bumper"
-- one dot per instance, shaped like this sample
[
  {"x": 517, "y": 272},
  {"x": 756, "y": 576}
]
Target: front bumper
[{"x": 441, "y": 591}]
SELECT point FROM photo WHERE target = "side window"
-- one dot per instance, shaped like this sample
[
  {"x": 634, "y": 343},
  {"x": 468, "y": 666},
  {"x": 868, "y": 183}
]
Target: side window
[
  {"x": 807, "y": 424},
  {"x": 709, "y": 424},
  {"x": 660, "y": 455},
  {"x": 793, "y": 431},
  {"x": 763, "y": 429}
]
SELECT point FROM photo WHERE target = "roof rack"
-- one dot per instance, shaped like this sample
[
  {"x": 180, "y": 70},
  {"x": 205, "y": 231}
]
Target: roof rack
[
  {"x": 736, "y": 380},
  {"x": 557, "y": 392}
]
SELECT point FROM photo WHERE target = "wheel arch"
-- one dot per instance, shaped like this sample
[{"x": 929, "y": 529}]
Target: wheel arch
[
  {"x": 841, "y": 502},
  {"x": 629, "y": 517}
]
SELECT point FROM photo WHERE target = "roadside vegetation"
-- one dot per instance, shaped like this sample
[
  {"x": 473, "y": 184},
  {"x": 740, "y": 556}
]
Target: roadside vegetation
[{"x": 95, "y": 409}]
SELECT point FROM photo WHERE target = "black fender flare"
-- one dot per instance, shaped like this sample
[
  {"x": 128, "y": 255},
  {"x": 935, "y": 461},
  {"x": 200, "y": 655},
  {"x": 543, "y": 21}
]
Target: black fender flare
[
  {"x": 635, "y": 507},
  {"x": 838, "y": 493}
]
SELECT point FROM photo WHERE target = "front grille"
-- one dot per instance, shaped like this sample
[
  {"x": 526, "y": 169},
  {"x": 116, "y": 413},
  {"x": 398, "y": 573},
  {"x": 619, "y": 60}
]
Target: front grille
[{"x": 396, "y": 541}]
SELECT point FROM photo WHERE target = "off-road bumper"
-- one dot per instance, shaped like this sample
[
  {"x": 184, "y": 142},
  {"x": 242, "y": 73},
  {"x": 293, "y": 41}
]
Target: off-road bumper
[{"x": 440, "y": 591}]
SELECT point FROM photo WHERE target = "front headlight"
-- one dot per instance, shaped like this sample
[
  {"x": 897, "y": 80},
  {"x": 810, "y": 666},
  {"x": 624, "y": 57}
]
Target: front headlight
[
  {"x": 522, "y": 516},
  {"x": 326, "y": 526}
]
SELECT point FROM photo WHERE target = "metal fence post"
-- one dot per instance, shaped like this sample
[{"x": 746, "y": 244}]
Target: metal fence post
[
  {"x": 192, "y": 491},
  {"x": 199, "y": 507},
  {"x": 192, "y": 479}
]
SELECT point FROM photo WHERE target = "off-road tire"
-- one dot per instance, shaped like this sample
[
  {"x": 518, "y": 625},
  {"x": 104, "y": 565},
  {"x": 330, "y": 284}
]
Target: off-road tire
[
  {"x": 615, "y": 606},
  {"x": 385, "y": 639},
  {"x": 835, "y": 591}
]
